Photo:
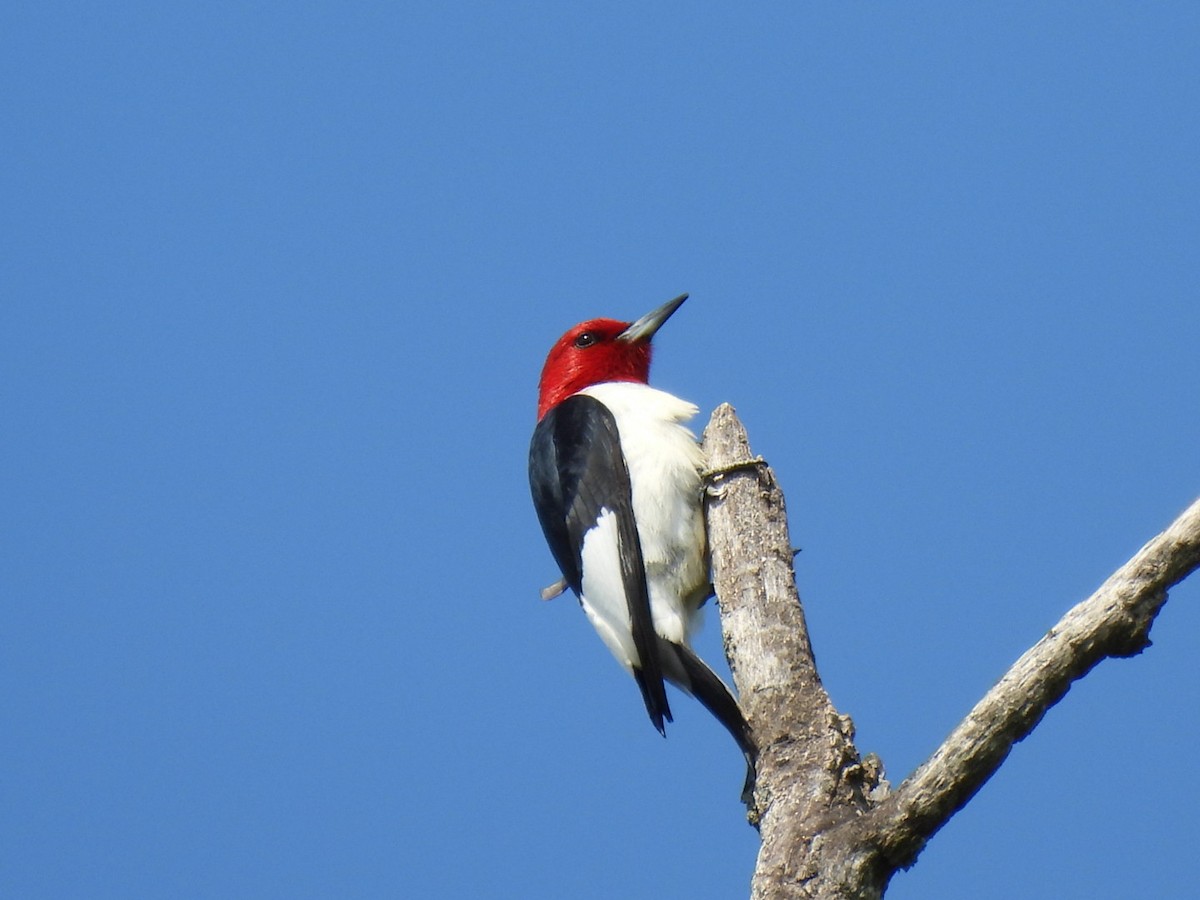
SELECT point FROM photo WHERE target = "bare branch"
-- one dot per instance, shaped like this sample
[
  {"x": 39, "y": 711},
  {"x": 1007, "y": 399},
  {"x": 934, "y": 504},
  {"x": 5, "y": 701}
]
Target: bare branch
[
  {"x": 1114, "y": 622},
  {"x": 809, "y": 775},
  {"x": 829, "y": 830}
]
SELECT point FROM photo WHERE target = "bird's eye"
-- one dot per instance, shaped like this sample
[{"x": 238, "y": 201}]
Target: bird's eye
[{"x": 585, "y": 340}]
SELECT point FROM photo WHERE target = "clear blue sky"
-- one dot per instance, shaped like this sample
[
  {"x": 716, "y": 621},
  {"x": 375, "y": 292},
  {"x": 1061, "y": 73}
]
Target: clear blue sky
[{"x": 277, "y": 283}]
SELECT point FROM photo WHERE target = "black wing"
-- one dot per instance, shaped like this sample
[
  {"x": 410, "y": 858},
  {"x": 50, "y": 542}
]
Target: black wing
[{"x": 576, "y": 470}]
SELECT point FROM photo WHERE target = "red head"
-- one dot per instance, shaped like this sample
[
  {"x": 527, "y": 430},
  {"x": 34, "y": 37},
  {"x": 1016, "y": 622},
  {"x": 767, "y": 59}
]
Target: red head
[{"x": 600, "y": 350}]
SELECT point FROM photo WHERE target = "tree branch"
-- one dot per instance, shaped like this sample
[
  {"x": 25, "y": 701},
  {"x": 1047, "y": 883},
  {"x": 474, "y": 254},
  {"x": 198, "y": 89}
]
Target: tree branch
[
  {"x": 829, "y": 828},
  {"x": 1114, "y": 622},
  {"x": 809, "y": 774}
]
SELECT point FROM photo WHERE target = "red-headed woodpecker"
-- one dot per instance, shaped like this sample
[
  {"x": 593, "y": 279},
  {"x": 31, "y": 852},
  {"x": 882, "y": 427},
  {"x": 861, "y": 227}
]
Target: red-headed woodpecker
[{"x": 616, "y": 479}]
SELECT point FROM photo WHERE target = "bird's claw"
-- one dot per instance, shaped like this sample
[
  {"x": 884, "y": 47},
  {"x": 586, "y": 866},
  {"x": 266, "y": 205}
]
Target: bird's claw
[
  {"x": 550, "y": 591},
  {"x": 713, "y": 475}
]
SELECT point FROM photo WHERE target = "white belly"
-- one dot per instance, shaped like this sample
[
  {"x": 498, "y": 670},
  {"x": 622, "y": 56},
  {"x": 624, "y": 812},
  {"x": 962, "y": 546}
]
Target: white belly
[{"x": 664, "y": 463}]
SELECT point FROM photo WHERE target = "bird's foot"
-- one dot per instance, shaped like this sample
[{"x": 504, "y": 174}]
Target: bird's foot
[
  {"x": 550, "y": 591},
  {"x": 713, "y": 477},
  {"x": 717, "y": 472}
]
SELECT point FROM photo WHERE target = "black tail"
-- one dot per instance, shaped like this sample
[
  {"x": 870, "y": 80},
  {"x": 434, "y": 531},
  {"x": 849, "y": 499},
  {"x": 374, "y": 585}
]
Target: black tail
[
  {"x": 688, "y": 672},
  {"x": 654, "y": 695}
]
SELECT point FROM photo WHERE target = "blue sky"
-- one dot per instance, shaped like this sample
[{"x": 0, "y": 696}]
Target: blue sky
[{"x": 279, "y": 280}]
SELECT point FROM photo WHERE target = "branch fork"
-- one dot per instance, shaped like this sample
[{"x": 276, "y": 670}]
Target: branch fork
[{"x": 831, "y": 825}]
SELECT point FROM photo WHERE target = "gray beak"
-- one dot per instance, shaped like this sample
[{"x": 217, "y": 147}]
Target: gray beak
[{"x": 643, "y": 329}]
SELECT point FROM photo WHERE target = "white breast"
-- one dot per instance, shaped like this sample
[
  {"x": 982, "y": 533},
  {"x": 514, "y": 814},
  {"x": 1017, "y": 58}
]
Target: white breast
[{"x": 664, "y": 463}]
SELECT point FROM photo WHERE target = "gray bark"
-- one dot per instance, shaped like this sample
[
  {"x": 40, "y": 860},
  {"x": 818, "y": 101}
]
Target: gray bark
[{"x": 830, "y": 826}]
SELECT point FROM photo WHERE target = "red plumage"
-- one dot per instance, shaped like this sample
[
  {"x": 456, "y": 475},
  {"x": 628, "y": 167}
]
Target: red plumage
[{"x": 590, "y": 354}]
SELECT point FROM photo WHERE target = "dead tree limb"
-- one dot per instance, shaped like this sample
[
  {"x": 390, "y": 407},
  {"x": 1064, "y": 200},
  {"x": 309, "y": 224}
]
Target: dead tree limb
[{"x": 829, "y": 826}]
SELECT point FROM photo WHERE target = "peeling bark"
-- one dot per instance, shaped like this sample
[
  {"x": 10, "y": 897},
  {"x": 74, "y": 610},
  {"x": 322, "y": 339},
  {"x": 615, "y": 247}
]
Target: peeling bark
[{"x": 830, "y": 826}]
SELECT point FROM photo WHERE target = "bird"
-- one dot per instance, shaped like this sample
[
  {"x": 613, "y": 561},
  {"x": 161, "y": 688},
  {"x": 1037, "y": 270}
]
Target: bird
[{"x": 616, "y": 479}]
